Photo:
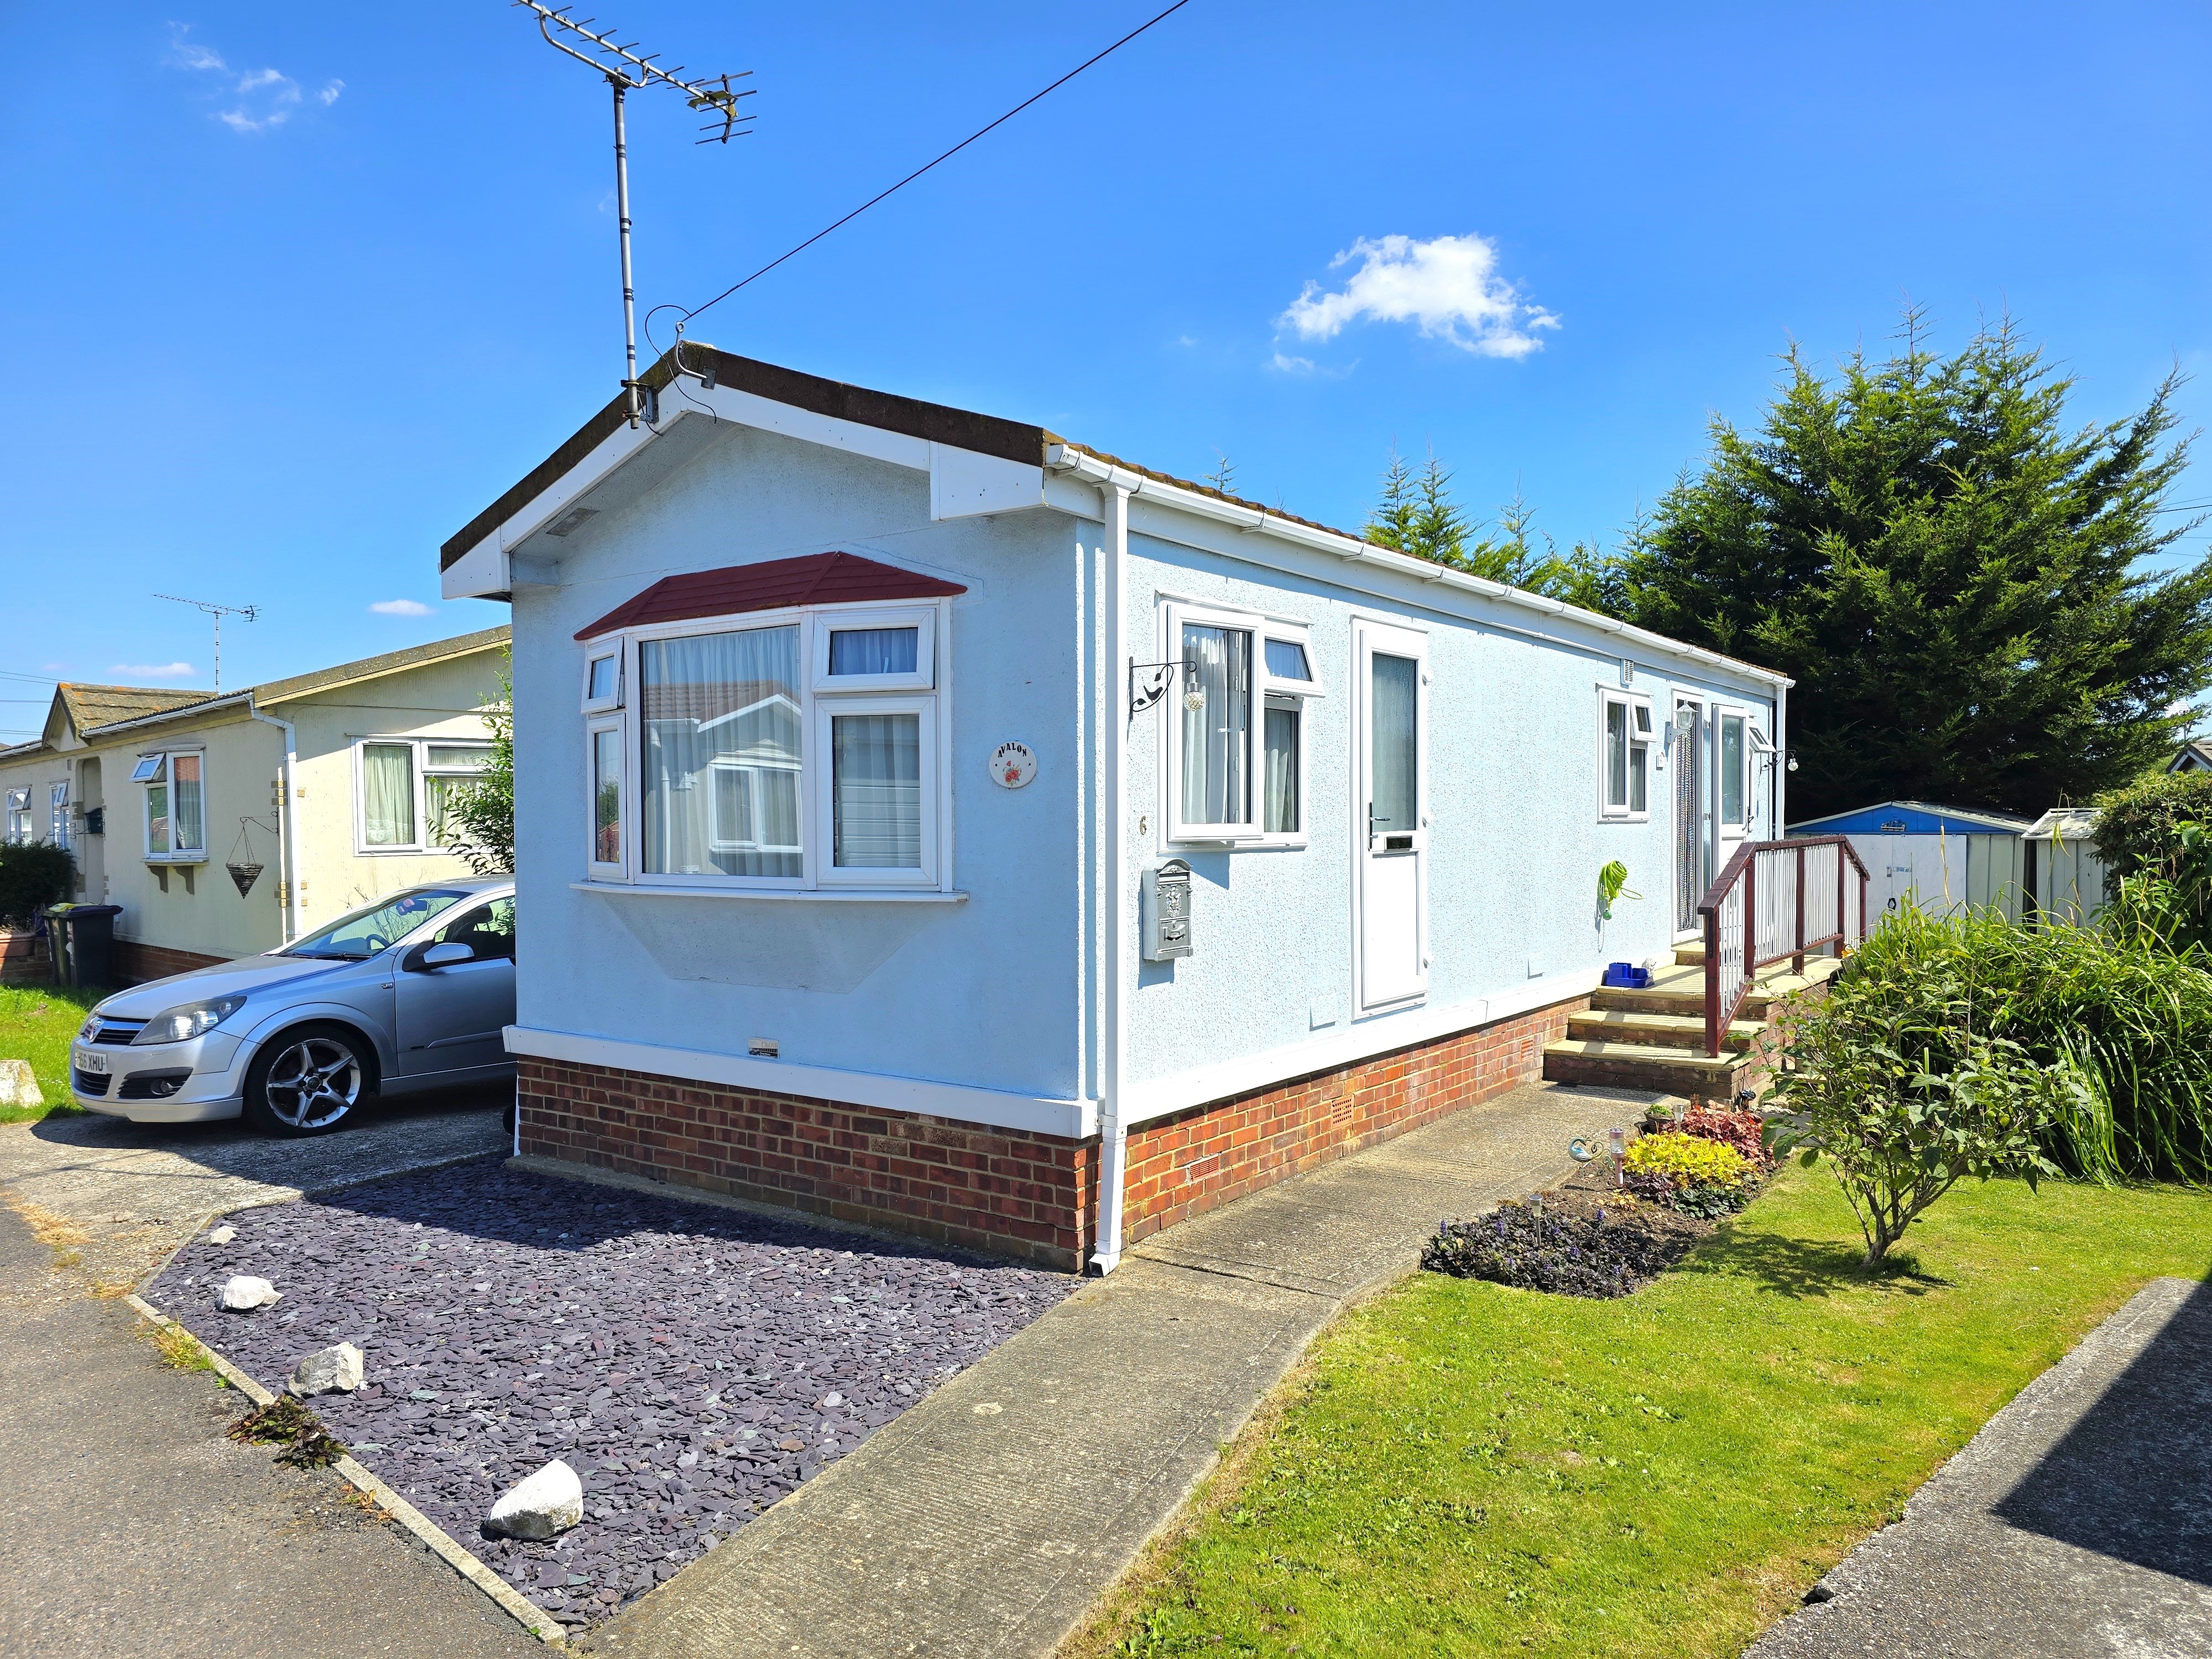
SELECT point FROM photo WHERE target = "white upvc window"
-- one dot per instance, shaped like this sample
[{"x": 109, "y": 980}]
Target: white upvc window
[
  {"x": 1731, "y": 770},
  {"x": 1288, "y": 686},
  {"x": 57, "y": 802},
  {"x": 603, "y": 679},
  {"x": 798, "y": 749},
  {"x": 175, "y": 806},
  {"x": 404, "y": 787},
  {"x": 1215, "y": 719},
  {"x": 19, "y": 815},
  {"x": 1624, "y": 741}
]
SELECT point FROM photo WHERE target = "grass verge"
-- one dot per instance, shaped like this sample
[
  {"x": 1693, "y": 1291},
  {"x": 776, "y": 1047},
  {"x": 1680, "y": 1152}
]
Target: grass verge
[
  {"x": 36, "y": 1023},
  {"x": 1461, "y": 1468}
]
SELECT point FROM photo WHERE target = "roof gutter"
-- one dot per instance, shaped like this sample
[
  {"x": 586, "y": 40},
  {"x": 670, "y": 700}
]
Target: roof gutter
[{"x": 1068, "y": 458}]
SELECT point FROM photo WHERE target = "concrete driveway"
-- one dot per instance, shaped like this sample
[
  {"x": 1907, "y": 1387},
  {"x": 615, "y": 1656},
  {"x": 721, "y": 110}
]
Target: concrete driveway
[{"x": 124, "y": 1195}]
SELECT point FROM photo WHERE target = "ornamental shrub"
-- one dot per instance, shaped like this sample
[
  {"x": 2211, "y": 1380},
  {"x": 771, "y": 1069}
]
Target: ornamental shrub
[
  {"x": 2138, "y": 826},
  {"x": 1744, "y": 1131},
  {"x": 1691, "y": 1173},
  {"x": 1533, "y": 1247},
  {"x": 32, "y": 875}
]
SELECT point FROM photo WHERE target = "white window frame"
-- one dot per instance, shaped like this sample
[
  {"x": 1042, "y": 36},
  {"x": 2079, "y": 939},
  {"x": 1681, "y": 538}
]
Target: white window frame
[
  {"x": 592, "y": 659},
  {"x": 1736, "y": 829},
  {"x": 419, "y": 770},
  {"x": 1297, "y": 694},
  {"x": 619, "y": 869},
  {"x": 57, "y": 810},
  {"x": 165, "y": 761},
  {"x": 826, "y": 623},
  {"x": 928, "y": 690},
  {"x": 1173, "y": 614},
  {"x": 1630, "y": 703},
  {"x": 19, "y": 815}
]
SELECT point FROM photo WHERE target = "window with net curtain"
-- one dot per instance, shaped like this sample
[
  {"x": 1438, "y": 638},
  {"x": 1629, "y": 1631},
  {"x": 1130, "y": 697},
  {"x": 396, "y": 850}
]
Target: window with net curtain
[
  {"x": 387, "y": 794},
  {"x": 176, "y": 805},
  {"x": 719, "y": 779},
  {"x": 875, "y": 791},
  {"x": 1217, "y": 722}
]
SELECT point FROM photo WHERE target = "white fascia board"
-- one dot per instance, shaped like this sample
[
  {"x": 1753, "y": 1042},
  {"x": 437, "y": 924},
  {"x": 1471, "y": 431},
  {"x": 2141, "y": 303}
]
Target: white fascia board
[
  {"x": 964, "y": 485},
  {"x": 478, "y": 573},
  {"x": 1170, "y": 513},
  {"x": 1363, "y": 1040},
  {"x": 1075, "y": 1120},
  {"x": 487, "y": 563}
]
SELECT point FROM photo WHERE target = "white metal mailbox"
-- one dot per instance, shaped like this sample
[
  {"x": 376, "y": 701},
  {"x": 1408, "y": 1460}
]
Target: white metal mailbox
[{"x": 1166, "y": 911}]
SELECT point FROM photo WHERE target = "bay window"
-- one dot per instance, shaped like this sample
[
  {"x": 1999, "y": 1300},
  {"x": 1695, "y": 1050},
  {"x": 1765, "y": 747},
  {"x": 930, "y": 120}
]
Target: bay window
[
  {"x": 799, "y": 752},
  {"x": 1624, "y": 740},
  {"x": 175, "y": 806},
  {"x": 405, "y": 789}
]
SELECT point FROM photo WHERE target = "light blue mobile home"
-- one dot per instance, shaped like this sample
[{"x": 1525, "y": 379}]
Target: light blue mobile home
[{"x": 929, "y": 820}]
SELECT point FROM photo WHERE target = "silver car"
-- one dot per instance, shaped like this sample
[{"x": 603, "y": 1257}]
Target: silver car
[{"x": 413, "y": 992}]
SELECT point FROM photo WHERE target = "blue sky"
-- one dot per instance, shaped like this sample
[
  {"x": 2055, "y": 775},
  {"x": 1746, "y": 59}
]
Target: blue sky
[{"x": 293, "y": 292}]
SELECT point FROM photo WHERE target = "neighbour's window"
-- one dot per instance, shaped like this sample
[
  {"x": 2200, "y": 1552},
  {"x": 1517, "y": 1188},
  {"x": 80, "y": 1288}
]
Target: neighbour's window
[
  {"x": 1625, "y": 757},
  {"x": 408, "y": 788},
  {"x": 176, "y": 805},
  {"x": 19, "y": 815},
  {"x": 799, "y": 753},
  {"x": 1733, "y": 793},
  {"x": 59, "y": 805},
  {"x": 1290, "y": 683}
]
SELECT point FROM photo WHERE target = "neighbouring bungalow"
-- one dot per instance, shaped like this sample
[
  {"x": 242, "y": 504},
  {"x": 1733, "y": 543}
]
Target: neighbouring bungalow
[
  {"x": 224, "y": 825},
  {"x": 2195, "y": 756},
  {"x": 938, "y": 823}
]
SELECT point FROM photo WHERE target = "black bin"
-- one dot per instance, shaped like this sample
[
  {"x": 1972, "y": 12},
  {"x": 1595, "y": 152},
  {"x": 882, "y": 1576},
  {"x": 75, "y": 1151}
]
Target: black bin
[{"x": 83, "y": 939}]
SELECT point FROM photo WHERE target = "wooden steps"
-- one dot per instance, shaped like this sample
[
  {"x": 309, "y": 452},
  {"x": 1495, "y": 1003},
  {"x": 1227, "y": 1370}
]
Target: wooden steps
[{"x": 1654, "y": 1038}]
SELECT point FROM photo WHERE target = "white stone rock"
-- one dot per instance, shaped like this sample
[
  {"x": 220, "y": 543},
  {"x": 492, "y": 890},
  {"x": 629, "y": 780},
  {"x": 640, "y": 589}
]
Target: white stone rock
[
  {"x": 544, "y": 1505},
  {"x": 18, "y": 1087},
  {"x": 243, "y": 1293},
  {"x": 223, "y": 1235},
  {"x": 327, "y": 1371}
]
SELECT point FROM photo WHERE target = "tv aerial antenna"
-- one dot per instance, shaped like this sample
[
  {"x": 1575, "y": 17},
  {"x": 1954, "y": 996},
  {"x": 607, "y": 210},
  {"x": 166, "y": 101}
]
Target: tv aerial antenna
[
  {"x": 626, "y": 72},
  {"x": 249, "y": 612}
]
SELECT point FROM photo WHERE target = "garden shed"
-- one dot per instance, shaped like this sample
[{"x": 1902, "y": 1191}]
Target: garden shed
[
  {"x": 1938, "y": 857},
  {"x": 2065, "y": 878}
]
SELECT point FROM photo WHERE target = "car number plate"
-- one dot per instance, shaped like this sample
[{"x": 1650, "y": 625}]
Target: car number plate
[{"x": 88, "y": 1061}]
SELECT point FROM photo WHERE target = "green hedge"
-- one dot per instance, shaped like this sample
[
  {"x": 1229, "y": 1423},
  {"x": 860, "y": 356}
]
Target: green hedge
[
  {"x": 2138, "y": 826},
  {"x": 32, "y": 875}
]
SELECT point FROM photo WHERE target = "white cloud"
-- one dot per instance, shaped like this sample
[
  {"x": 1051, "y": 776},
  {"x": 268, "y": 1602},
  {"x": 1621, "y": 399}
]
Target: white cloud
[
  {"x": 1447, "y": 286},
  {"x": 1283, "y": 365},
  {"x": 265, "y": 98},
  {"x": 400, "y": 608},
  {"x": 154, "y": 671}
]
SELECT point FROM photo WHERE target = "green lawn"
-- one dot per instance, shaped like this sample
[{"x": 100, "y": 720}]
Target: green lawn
[
  {"x": 1467, "y": 1469},
  {"x": 36, "y": 1023}
]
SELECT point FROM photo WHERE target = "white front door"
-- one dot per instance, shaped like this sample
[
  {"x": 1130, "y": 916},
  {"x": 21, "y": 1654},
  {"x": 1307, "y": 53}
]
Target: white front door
[{"x": 1390, "y": 831}]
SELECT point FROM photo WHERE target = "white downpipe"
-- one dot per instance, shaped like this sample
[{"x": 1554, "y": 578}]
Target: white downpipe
[
  {"x": 1782, "y": 765},
  {"x": 1114, "y": 735},
  {"x": 288, "y": 851}
]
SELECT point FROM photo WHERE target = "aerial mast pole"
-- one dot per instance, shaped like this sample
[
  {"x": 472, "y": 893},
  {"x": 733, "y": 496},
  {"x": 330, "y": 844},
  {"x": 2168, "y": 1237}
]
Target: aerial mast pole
[
  {"x": 625, "y": 72},
  {"x": 218, "y": 611}
]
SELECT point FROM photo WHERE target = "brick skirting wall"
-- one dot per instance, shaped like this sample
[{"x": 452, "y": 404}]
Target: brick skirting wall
[
  {"x": 1214, "y": 1154},
  {"x": 1009, "y": 1192},
  {"x": 136, "y": 961}
]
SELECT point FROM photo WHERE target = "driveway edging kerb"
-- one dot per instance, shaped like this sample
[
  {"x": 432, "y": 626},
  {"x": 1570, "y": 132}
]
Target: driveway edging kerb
[{"x": 527, "y": 1612}]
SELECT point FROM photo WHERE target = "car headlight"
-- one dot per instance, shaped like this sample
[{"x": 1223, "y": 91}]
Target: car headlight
[{"x": 182, "y": 1024}]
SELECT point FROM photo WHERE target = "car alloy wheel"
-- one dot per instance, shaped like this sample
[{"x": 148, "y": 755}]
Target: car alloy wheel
[{"x": 312, "y": 1081}]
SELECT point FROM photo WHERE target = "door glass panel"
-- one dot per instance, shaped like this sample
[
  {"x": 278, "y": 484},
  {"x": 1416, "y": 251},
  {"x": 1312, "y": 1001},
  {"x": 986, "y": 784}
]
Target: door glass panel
[
  {"x": 1689, "y": 818},
  {"x": 875, "y": 791},
  {"x": 711, "y": 704},
  {"x": 1395, "y": 783},
  {"x": 1731, "y": 769},
  {"x": 1217, "y": 725}
]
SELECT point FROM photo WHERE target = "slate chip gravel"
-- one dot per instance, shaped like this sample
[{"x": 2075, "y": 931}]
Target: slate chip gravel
[{"x": 693, "y": 1365}]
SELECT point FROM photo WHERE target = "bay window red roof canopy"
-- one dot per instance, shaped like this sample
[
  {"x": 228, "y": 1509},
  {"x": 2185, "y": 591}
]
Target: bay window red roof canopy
[{"x": 773, "y": 584}]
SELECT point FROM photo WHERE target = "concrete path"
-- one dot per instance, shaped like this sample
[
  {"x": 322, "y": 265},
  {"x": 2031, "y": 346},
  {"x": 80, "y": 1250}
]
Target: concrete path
[
  {"x": 129, "y": 1193},
  {"x": 986, "y": 1520},
  {"x": 2077, "y": 1522},
  {"x": 129, "y": 1524}
]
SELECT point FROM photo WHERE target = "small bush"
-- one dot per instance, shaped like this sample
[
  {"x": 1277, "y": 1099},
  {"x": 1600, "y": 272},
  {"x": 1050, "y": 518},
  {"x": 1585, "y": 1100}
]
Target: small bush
[
  {"x": 32, "y": 875},
  {"x": 1746, "y": 1131},
  {"x": 286, "y": 1423},
  {"x": 1531, "y": 1246},
  {"x": 2137, "y": 826}
]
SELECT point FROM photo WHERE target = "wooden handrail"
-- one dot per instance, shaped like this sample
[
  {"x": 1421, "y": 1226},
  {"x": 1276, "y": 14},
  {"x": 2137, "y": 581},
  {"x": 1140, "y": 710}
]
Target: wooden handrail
[{"x": 1739, "y": 875}]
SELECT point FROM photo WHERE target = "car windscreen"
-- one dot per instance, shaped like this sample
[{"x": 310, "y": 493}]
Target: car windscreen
[{"x": 366, "y": 932}]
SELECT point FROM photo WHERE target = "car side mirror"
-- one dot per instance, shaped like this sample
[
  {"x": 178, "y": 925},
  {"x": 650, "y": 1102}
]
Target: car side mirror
[{"x": 432, "y": 956}]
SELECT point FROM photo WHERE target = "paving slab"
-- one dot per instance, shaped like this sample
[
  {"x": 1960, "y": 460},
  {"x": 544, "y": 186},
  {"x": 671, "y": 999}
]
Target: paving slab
[
  {"x": 986, "y": 1521},
  {"x": 130, "y": 1524},
  {"x": 2077, "y": 1522},
  {"x": 136, "y": 1191}
]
